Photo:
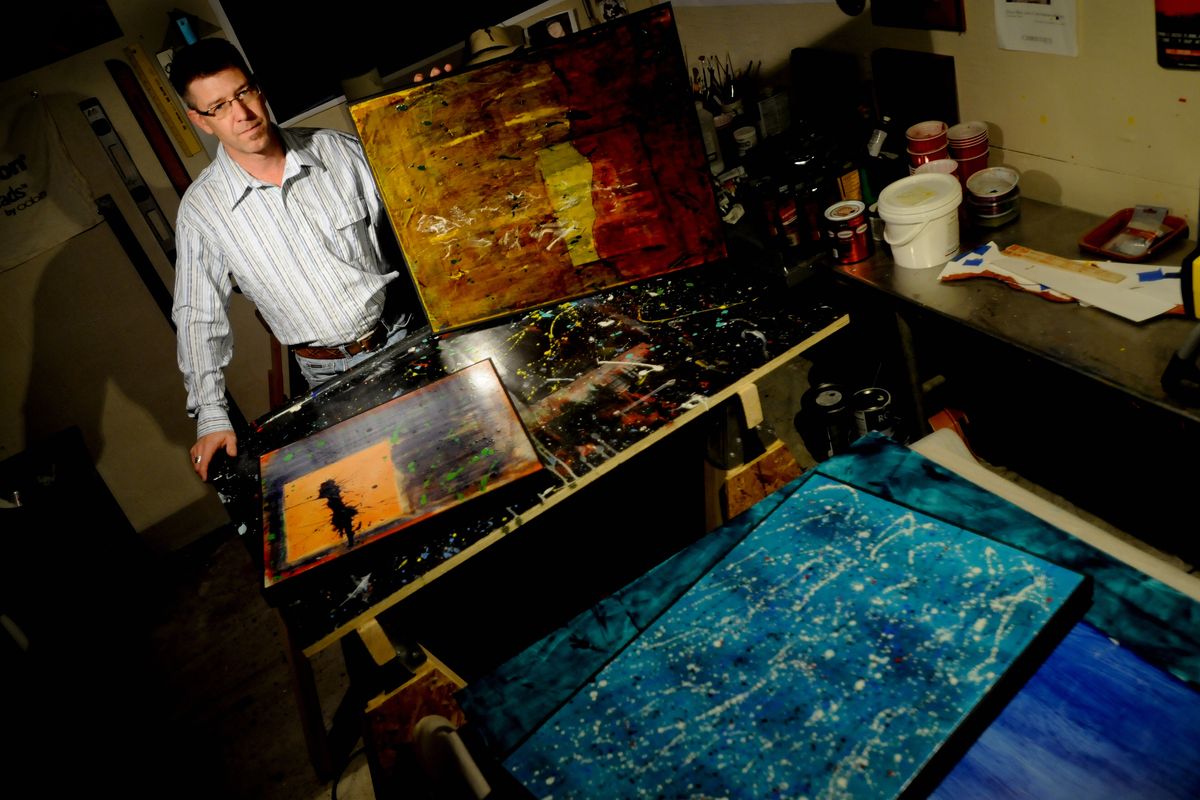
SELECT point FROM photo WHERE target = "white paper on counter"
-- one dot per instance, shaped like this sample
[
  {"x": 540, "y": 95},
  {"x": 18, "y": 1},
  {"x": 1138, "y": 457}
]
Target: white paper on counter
[
  {"x": 1132, "y": 304},
  {"x": 1037, "y": 26},
  {"x": 1160, "y": 281},
  {"x": 980, "y": 262}
]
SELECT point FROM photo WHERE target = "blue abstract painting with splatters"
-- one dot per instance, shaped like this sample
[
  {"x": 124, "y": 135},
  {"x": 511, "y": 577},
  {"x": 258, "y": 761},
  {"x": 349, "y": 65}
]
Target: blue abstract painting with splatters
[{"x": 834, "y": 653}]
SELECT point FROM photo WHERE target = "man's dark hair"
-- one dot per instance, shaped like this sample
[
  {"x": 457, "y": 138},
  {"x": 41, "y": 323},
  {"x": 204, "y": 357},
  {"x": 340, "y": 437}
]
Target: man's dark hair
[{"x": 205, "y": 57}]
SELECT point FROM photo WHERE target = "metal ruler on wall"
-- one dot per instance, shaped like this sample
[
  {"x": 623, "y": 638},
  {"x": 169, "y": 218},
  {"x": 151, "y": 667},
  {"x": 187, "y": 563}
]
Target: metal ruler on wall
[{"x": 118, "y": 154}]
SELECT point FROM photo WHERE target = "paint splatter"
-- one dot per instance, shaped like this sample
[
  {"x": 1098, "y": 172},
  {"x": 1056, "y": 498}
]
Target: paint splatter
[{"x": 342, "y": 515}]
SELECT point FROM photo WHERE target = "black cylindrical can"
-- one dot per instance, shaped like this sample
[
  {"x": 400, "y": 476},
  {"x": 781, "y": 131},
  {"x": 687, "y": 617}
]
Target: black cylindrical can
[
  {"x": 873, "y": 411},
  {"x": 825, "y": 421}
]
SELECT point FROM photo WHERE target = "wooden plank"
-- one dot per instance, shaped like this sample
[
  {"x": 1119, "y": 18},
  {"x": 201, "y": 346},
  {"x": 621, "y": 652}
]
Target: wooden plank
[
  {"x": 745, "y": 485},
  {"x": 751, "y": 405},
  {"x": 377, "y": 642}
]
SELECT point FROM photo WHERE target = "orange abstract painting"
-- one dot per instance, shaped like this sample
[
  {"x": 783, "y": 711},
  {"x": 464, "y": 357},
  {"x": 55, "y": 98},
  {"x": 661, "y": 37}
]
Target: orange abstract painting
[
  {"x": 325, "y": 508},
  {"x": 389, "y": 468}
]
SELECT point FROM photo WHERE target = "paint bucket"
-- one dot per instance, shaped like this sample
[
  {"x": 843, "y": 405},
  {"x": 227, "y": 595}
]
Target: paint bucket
[
  {"x": 993, "y": 197},
  {"x": 872, "y": 411},
  {"x": 825, "y": 421},
  {"x": 848, "y": 232},
  {"x": 746, "y": 138},
  {"x": 993, "y": 184},
  {"x": 920, "y": 213}
]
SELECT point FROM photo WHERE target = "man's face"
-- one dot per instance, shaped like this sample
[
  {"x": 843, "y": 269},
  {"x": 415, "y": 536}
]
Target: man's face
[{"x": 244, "y": 126}]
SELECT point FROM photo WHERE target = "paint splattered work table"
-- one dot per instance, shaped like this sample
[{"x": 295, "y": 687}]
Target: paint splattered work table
[
  {"x": 595, "y": 381},
  {"x": 856, "y": 660},
  {"x": 1028, "y": 371}
]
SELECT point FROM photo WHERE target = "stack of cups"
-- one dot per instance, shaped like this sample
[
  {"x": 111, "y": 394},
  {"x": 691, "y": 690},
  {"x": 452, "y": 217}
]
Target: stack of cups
[
  {"x": 969, "y": 147},
  {"x": 926, "y": 142}
]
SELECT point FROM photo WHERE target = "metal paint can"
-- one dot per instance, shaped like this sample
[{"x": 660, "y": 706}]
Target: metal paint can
[
  {"x": 847, "y": 231},
  {"x": 825, "y": 421},
  {"x": 873, "y": 411}
]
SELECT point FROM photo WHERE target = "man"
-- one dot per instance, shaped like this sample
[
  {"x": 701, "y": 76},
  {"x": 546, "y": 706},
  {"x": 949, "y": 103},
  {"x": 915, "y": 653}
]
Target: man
[{"x": 294, "y": 219}]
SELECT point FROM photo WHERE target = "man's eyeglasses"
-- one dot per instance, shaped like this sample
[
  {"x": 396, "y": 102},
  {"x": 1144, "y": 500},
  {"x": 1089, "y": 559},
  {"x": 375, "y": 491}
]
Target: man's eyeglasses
[{"x": 222, "y": 109}]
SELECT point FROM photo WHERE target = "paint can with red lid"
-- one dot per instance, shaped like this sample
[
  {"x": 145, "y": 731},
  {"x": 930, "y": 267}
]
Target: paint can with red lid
[{"x": 847, "y": 231}]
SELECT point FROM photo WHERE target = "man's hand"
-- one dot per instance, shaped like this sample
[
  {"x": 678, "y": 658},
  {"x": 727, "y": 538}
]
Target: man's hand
[
  {"x": 202, "y": 451},
  {"x": 433, "y": 73}
]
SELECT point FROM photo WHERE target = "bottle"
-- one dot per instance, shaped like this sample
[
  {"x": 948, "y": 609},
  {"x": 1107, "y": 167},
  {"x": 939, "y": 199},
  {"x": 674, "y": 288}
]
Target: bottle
[
  {"x": 727, "y": 146},
  {"x": 789, "y": 218},
  {"x": 712, "y": 146},
  {"x": 884, "y": 163},
  {"x": 846, "y": 175}
]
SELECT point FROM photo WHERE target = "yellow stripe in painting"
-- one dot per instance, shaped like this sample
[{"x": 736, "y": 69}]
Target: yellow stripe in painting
[
  {"x": 568, "y": 177},
  {"x": 466, "y": 138},
  {"x": 533, "y": 116}
]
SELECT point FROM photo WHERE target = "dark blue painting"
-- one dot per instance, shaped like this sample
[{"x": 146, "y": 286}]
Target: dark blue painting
[
  {"x": 1094, "y": 721},
  {"x": 834, "y": 652}
]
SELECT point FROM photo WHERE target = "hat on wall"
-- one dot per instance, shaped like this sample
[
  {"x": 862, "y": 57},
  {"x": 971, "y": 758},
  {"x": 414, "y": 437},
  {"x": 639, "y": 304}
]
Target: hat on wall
[{"x": 486, "y": 44}]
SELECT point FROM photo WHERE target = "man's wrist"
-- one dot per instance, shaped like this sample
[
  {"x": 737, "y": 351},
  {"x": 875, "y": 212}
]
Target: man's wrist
[{"x": 212, "y": 420}]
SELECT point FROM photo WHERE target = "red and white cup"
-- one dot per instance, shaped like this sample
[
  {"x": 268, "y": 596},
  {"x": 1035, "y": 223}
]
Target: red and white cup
[
  {"x": 967, "y": 140},
  {"x": 926, "y": 137},
  {"x": 969, "y": 166},
  {"x": 917, "y": 159}
]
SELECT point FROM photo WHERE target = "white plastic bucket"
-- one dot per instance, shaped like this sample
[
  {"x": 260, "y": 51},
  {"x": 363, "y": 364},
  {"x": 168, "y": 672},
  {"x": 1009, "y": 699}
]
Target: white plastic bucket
[{"x": 920, "y": 215}]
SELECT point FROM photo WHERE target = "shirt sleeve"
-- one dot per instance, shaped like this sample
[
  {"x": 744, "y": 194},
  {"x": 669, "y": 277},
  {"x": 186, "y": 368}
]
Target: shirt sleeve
[
  {"x": 370, "y": 188},
  {"x": 203, "y": 289}
]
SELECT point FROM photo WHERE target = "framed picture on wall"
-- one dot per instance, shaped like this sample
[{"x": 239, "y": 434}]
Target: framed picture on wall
[
  {"x": 1178, "y": 33},
  {"x": 609, "y": 9},
  {"x": 930, "y": 15},
  {"x": 547, "y": 29}
]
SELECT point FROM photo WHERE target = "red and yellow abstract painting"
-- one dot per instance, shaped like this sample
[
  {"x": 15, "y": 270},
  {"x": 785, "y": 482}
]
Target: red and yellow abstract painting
[{"x": 546, "y": 176}]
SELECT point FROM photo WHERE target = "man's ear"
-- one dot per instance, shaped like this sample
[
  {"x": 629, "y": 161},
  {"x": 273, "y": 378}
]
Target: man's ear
[{"x": 200, "y": 121}]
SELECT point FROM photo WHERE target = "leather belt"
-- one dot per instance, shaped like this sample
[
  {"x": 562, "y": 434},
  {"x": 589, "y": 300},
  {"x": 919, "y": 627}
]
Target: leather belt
[{"x": 372, "y": 340}]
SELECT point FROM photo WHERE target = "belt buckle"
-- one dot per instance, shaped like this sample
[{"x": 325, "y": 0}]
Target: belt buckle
[{"x": 369, "y": 342}]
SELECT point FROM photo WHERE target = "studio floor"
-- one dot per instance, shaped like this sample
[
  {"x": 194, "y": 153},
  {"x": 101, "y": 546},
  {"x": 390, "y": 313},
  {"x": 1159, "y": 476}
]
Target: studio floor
[{"x": 197, "y": 699}]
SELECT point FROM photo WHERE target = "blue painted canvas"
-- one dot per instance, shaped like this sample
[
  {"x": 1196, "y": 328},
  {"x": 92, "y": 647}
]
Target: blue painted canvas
[
  {"x": 834, "y": 652},
  {"x": 520, "y": 694},
  {"x": 1154, "y": 620},
  {"x": 1095, "y": 720}
]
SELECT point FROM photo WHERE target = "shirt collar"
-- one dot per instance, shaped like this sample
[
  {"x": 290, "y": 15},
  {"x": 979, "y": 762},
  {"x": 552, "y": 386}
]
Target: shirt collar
[{"x": 238, "y": 182}]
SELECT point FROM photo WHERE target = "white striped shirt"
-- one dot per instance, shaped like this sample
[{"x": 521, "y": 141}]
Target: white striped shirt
[{"x": 306, "y": 253}]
